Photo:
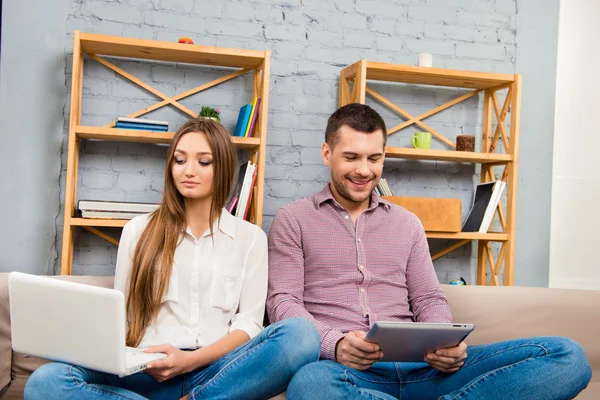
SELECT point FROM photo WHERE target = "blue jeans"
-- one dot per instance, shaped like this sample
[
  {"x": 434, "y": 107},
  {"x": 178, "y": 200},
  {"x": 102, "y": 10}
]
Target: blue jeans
[
  {"x": 258, "y": 369},
  {"x": 535, "y": 368}
]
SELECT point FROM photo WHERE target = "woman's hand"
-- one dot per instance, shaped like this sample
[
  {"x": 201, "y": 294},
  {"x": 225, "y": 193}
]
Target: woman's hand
[{"x": 177, "y": 362}]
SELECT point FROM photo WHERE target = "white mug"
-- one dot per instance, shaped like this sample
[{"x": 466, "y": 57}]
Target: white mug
[{"x": 425, "y": 60}]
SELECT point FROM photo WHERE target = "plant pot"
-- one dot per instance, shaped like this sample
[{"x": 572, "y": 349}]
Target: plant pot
[{"x": 213, "y": 118}]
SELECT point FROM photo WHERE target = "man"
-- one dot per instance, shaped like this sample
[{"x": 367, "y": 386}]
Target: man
[{"x": 345, "y": 258}]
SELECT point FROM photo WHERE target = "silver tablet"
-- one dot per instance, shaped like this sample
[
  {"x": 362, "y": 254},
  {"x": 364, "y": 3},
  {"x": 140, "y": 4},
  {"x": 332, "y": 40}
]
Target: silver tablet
[{"x": 411, "y": 341}]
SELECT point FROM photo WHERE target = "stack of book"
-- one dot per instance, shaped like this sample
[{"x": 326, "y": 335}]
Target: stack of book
[
  {"x": 485, "y": 202},
  {"x": 239, "y": 203},
  {"x": 247, "y": 119},
  {"x": 141, "y": 124},
  {"x": 113, "y": 209},
  {"x": 383, "y": 189}
]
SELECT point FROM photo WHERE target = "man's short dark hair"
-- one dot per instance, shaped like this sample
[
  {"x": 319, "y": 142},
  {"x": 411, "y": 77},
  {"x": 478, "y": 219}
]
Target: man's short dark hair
[{"x": 359, "y": 117}]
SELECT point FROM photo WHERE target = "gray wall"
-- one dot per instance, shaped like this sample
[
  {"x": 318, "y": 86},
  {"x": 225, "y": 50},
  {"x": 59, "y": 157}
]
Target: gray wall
[
  {"x": 537, "y": 35},
  {"x": 311, "y": 42},
  {"x": 32, "y": 96}
]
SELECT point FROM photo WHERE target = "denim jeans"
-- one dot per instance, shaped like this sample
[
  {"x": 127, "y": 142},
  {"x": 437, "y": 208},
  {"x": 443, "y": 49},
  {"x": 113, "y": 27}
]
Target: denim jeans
[
  {"x": 535, "y": 368},
  {"x": 258, "y": 369}
]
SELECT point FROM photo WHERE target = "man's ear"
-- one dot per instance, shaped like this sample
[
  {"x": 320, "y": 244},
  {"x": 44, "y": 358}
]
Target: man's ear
[{"x": 326, "y": 154}]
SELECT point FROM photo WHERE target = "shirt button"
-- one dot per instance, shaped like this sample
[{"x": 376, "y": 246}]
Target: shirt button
[
  {"x": 195, "y": 304},
  {"x": 345, "y": 216},
  {"x": 362, "y": 290},
  {"x": 359, "y": 239},
  {"x": 361, "y": 267}
]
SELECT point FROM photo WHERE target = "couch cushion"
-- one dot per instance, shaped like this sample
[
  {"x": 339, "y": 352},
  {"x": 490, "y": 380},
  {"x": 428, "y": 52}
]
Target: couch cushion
[
  {"x": 505, "y": 313},
  {"x": 23, "y": 366},
  {"x": 15, "y": 390},
  {"x": 5, "y": 344},
  {"x": 592, "y": 392}
]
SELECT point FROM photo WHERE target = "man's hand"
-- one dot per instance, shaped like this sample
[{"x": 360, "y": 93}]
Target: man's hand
[
  {"x": 448, "y": 360},
  {"x": 177, "y": 362},
  {"x": 355, "y": 352}
]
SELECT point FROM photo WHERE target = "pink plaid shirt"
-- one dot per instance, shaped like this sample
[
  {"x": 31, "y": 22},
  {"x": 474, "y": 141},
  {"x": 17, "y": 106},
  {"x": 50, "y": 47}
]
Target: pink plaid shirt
[{"x": 345, "y": 277}]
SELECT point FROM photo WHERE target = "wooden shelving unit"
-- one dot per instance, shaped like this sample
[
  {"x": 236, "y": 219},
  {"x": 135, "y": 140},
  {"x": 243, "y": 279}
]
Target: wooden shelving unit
[
  {"x": 353, "y": 89},
  {"x": 94, "y": 46}
]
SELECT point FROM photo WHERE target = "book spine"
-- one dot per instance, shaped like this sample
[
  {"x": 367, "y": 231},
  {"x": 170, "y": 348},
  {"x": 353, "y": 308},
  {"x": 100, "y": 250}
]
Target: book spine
[
  {"x": 127, "y": 125},
  {"x": 141, "y": 129},
  {"x": 254, "y": 118},
  {"x": 245, "y": 120},
  {"x": 141, "y": 121},
  {"x": 109, "y": 215},
  {"x": 490, "y": 211},
  {"x": 387, "y": 188},
  {"x": 241, "y": 175},
  {"x": 239, "y": 126},
  {"x": 117, "y": 208},
  {"x": 232, "y": 204},
  {"x": 244, "y": 192},
  {"x": 250, "y": 116},
  {"x": 249, "y": 199},
  {"x": 111, "y": 205}
]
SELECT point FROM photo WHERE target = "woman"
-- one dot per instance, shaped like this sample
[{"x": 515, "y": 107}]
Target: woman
[{"x": 195, "y": 281}]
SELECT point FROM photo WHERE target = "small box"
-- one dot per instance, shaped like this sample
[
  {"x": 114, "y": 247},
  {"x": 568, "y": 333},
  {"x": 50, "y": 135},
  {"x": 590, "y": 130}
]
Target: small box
[{"x": 436, "y": 215}]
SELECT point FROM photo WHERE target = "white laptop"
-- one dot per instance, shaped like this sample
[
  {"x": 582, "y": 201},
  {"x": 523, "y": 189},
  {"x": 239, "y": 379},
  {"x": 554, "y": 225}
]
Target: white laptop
[{"x": 72, "y": 323}]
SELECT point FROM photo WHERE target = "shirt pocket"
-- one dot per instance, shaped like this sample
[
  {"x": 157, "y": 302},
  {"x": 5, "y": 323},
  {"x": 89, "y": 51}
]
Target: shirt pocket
[
  {"x": 225, "y": 290},
  {"x": 172, "y": 293}
]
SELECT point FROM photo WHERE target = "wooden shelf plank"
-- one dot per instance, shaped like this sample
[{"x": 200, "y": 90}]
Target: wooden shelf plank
[
  {"x": 130, "y": 135},
  {"x": 115, "y": 223},
  {"x": 170, "y": 51},
  {"x": 493, "y": 236},
  {"x": 123, "y": 135},
  {"x": 435, "y": 76},
  {"x": 447, "y": 155}
]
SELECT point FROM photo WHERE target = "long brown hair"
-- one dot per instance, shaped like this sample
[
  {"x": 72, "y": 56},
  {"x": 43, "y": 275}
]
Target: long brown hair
[{"x": 154, "y": 253}]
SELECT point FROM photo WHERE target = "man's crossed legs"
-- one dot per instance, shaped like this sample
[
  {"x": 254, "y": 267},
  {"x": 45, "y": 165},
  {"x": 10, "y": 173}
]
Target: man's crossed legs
[{"x": 532, "y": 369}]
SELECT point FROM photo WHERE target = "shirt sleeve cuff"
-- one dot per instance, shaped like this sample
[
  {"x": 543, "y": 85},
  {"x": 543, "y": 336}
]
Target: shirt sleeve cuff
[
  {"x": 249, "y": 327},
  {"x": 328, "y": 343}
]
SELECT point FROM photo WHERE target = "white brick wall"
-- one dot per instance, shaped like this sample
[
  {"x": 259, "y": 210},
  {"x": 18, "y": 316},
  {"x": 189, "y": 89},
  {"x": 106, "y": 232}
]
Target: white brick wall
[{"x": 311, "y": 42}]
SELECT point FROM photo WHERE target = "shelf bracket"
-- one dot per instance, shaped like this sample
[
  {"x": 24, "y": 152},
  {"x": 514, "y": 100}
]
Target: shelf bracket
[
  {"x": 501, "y": 116},
  {"x": 102, "y": 235},
  {"x": 409, "y": 116},
  {"x": 450, "y": 249},
  {"x": 434, "y": 111}
]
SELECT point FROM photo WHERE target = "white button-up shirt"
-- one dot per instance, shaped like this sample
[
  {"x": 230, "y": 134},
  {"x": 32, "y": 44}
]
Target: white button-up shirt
[{"x": 214, "y": 289}]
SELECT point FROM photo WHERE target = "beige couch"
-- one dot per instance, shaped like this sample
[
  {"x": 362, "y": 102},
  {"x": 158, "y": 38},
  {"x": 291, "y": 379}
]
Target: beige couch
[{"x": 501, "y": 313}]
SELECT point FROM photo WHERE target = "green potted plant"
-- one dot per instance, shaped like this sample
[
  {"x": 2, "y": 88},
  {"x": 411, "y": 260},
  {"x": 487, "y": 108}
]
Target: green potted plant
[{"x": 210, "y": 112}]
